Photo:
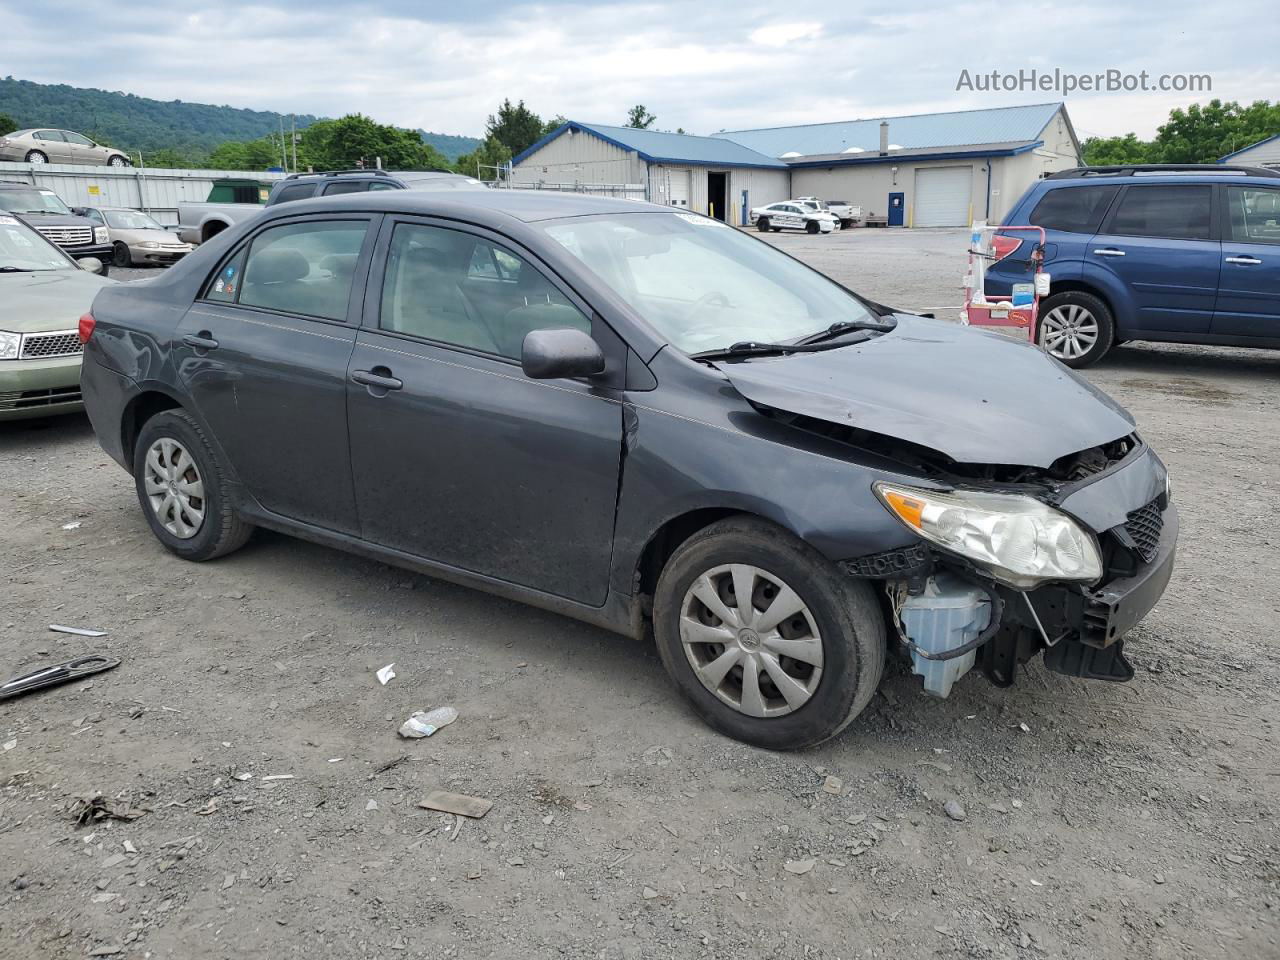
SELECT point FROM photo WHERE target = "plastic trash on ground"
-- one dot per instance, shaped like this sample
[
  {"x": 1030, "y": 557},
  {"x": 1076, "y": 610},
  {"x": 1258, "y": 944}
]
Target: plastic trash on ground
[{"x": 425, "y": 724}]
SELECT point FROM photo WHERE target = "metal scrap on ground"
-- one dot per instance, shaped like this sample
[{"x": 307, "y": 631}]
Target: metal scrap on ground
[{"x": 456, "y": 803}]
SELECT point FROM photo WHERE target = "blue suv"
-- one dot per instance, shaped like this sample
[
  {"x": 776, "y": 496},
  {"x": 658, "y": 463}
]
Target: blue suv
[{"x": 1178, "y": 253}]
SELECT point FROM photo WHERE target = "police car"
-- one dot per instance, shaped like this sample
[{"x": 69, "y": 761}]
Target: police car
[{"x": 793, "y": 215}]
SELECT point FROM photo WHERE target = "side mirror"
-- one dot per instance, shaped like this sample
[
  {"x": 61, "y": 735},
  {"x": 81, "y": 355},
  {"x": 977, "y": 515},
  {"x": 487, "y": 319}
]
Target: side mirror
[
  {"x": 560, "y": 352},
  {"x": 91, "y": 264}
]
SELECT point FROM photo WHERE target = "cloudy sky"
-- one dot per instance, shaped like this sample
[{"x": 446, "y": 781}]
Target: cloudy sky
[{"x": 704, "y": 66}]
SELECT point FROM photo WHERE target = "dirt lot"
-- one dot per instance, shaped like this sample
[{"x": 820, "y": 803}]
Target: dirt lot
[{"x": 1103, "y": 821}]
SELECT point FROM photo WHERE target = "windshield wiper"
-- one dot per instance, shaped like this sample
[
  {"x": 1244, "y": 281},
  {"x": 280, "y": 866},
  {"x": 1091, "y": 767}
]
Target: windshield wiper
[
  {"x": 754, "y": 348},
  {"x": 8, "y": 269},
  {"x": 845, "y": 326}
]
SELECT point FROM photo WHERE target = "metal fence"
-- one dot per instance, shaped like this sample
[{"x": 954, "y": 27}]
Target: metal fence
[
  {"x": 157, "y": 191},
  {"x": 628, "y": 191}
]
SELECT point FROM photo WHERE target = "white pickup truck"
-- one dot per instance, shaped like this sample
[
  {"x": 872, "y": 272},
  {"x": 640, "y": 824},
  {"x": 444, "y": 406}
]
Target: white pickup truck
[{"x": 845, "y": 212}]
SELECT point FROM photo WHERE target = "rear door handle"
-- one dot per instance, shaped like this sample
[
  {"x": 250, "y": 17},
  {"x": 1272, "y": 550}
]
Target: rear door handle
[
  {"x": 201, "y": 341},
  {"x": 1109, "y": 252},
  {"x": 1247, "y": 261},
  {"x": 379, "y": 378}
]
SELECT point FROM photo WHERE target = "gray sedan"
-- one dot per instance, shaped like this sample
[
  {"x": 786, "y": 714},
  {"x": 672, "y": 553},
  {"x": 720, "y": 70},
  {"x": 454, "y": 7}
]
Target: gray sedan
[
  {"x": 58, "y": 146},
  {"x": 136, "y": 238}
]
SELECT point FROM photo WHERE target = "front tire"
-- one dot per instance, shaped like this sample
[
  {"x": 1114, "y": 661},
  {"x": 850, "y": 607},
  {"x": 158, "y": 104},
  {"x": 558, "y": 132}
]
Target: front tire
[
  {"x": 763, "y": 224},
  {"x": 37, "y": 156},
  {"x": 115, "y": 160},
  {"x": 787, "y": 670},
  {"x": 812, "y": 227},
  {"x": 184, "y": 490},
  {"x": 120, "y": 256},
  {"x": 1076, "y": 328}
]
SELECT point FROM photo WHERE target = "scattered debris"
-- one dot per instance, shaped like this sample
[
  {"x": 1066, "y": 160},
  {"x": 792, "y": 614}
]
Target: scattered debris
[
  {"x": 228, "y": 881},
  {"x": 954, "y": 809},
  {"x": 108, "y": 951},
  {"x": 425, "y": 724},
  {"x": 1233, "y": 858},
  {"x": 371, "y": 805},
  {"x": 386, "y": 674},
  {"x": 657, "y": 756},
  {"x": 73, "y": 525},
  {"x": 855, "y": 819},
  {"x": 56, "y": 674},
  {"x": 278, "y": 776},
  {"x": 590, "y": 782},
  {"x": 649, "y": 893},
  {"x": 391, "y": 764},
  {"x": 800, "y": 867},
  {"x": 1024, "y": 728},
  {"x": 88, "y": 810},
  {"x": 456, "y": 803},
  {"x": 78, "y": 631},
  {"x": 9, "y": 744},
  {"x": 208, "y": 808},
  {"x": 1158, "y": 878},
  {"x": 833, "y": 786}
]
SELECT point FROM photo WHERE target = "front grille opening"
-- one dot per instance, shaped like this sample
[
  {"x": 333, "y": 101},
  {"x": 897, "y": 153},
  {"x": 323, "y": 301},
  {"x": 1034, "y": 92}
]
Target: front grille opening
[
  {"x": 37, "y": 346},
  {"x": 1143, "y": 527},
  {"x": 32, "y": 399}
]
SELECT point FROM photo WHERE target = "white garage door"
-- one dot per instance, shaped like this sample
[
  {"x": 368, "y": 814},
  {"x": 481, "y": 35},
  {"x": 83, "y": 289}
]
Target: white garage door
[
  {"x": 678, "y": 188},
  {"x": 943, "y": 196}
]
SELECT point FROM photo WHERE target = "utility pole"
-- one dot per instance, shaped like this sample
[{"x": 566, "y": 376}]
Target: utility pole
[
  {"x": 284, "y": 156},
  {"x": 293, "y": 126}
]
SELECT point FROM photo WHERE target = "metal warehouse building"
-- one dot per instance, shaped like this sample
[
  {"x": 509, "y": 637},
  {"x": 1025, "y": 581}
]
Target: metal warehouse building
[
  {"x": 1264, "y": 153},
  {"x": 930, "y": 170}
]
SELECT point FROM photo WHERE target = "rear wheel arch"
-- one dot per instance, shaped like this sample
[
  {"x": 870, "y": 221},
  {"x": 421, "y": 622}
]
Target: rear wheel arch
[
  {"x": 136, "y": 414},
  {"x": 1081, "y": 286},
  {"x": 211, "y": 230}
]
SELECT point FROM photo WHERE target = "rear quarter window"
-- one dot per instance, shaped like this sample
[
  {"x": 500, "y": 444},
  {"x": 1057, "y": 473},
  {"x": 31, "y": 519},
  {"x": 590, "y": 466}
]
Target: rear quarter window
[{"x": 1073, "y": 209}]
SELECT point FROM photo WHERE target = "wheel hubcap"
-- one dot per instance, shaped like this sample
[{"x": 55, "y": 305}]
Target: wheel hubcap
[
  {"x": 174, "y": 488},
  {"x": 751, "y": 640},
  {"x": 1069, "y": 332}
]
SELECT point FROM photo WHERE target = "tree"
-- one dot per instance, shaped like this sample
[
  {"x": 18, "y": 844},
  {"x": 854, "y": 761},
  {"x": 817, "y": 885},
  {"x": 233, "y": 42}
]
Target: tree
[
  {"x": 555, "y": 123},
  {"x": 7, "y": 124},
  {"x": 167, "y": 159},
  {"x": 640, "y": 117},
  {"x": 246, "y": 155},
  {"x": 516, "y": 127},
  {"x": 1107, "y": 151},
  {"x": 1204, "y": 134},
  {"x": 490, "y": 153},
  {"x": 355, "y": 140}
]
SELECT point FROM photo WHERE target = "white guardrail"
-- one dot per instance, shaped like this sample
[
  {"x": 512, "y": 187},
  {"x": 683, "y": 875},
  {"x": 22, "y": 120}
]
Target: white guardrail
[{"x": 156, "y": 191}]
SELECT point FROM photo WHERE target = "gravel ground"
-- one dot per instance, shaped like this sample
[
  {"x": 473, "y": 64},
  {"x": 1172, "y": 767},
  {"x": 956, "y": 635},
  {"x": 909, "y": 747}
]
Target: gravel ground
[{"x": 1100, "y": 821}]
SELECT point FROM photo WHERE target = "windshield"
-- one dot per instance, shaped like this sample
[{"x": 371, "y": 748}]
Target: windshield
[
  {"x": 22, "y": 250},
  {"x": 130, "y": 220},
  {"x": 704, "y": 285},
  {"x": 31, "y": 201}
]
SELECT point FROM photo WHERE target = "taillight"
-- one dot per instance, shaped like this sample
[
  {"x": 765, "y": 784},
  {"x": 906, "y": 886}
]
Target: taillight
[
  {"x": 86, "y": 327},
  {"x": 1002, "y": 246}
]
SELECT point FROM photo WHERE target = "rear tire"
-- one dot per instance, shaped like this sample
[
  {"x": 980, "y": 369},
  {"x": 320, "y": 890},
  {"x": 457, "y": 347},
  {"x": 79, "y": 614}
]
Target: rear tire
[
  {"x": 1075, "y": 327},
  {"x": 37, "y": 156},
  {"x": 763, "y": 224},
  {"x": 837, "y": 613},
  {"x": 120, "y": 256},
  {"x": 183, "y": 489}
]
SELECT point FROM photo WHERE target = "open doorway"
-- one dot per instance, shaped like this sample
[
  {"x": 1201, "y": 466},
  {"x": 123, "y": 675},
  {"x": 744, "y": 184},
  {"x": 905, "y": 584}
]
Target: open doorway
[{"x": 718, "y": 195}]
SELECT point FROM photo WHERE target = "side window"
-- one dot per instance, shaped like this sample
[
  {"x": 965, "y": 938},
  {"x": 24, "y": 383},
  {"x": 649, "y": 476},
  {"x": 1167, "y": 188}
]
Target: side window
[
  {"x": 1253, "y": 214},
  {"x": 1172, "y": 212},
  {"x": 75, "y": 138},
  {"x": 346, "y": 186},
  {"x": 303, "y": 268},
  {"x": 379, "y": 185},
  {"x": 1073, "y": 209},
  {"x": 49, "y": 135},
  {"x": 459, "y": 289},
  {"x": 223, "y": 286},
  {"x": 295, "y": 191}
]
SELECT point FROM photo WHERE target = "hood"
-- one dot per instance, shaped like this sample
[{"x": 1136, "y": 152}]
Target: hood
[
  {"x": 975, "y": 396},
  {"x": 40, "y": 302},
  {"x": 38, "y": 220}
]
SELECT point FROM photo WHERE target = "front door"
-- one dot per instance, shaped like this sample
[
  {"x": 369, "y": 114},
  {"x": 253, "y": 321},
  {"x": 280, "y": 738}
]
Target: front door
[
  {"x": 264, "y": 354},
  {"x": 1157, "y": 242},
  {"x": 897, "y": 207},
  {"x": 81, "y": 149},
  {"x": 459, "y": 457},
  {"x": 1249, "y": 288}
]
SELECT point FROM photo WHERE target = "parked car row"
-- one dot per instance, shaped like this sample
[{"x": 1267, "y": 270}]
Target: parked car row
[{"x": 49, "y": 145}]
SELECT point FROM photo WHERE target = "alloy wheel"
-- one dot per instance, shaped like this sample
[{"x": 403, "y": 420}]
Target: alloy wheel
[
  {"x": 751, "y": 640},
  {"x": 1069, "y": 332},
  {"x": 174, "y": 488},
  {"x": 35, "y": 157}
]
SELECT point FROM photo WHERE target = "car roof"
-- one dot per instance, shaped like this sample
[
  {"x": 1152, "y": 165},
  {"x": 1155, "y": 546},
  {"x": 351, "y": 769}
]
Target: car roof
[{"x": 528, "y": 206}]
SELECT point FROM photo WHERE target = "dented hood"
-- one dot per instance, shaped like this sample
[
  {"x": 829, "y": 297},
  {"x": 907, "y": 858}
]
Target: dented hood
[{"x": 973, "y": 395}]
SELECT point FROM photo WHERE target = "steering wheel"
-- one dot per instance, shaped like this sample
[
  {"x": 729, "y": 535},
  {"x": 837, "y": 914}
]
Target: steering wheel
[{"x": 710, "y": 298}]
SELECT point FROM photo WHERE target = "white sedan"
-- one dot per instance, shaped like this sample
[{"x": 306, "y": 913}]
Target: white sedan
[{"x": 793, "y": 215}]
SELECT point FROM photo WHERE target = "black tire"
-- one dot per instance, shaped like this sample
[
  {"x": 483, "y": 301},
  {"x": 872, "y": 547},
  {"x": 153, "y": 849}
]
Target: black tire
[
  {"x": 844, "y": 610},
  {"x": 812, "y": 227},
  {"x": 222, "y": 530},
  {"x": 116, "y": 160},
  {"x": 120, "y": 256},
  {"x": 763, "y": 224},
  {"x": 33, "y": 154},
  {"x": 776, "y": 229},
  {"x": 1101, "y": 315}
]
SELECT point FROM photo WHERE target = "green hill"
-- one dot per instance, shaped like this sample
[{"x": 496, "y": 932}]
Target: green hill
[{"x": 139, "y": 123}]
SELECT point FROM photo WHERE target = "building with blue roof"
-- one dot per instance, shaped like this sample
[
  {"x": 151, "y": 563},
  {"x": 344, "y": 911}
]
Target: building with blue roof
[{"x": 940, "y": 169}]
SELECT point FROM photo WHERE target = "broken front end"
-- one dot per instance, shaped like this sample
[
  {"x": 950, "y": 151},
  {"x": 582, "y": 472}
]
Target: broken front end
[{"x": 1012, "y": 562}]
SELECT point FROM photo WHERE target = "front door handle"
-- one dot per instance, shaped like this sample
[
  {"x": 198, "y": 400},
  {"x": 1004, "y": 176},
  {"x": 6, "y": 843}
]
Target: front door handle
[
  {"x": 1109, "y": 252},
  {"x": 379, "y": 378},
  {"x": 1247, "y": 261},
  {"x": 201, "y": 341}
]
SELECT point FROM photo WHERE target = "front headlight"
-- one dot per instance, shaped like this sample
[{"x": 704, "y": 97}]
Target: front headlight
[
  {"x": 10, "y": 344},
  {"x": 1018, "y": 540},
  {"x": 100, "y": 235},
  {"x": 151, "y": 245}
]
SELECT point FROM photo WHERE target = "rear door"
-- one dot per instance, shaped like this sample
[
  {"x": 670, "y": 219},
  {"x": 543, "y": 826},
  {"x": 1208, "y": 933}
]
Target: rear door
[
  {"x": 459, "y": 457},
  {"x": 53, "y": 145},
  {"x": 1249, "y": 289},
  {"x": 264, "y": 355},
  {"x": 1158, "y": 242}
]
